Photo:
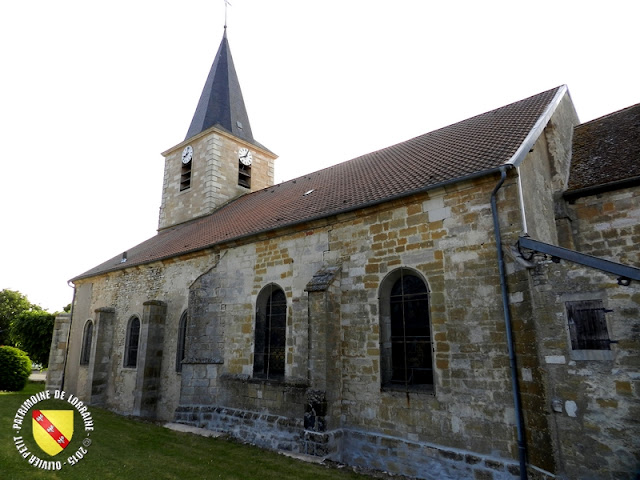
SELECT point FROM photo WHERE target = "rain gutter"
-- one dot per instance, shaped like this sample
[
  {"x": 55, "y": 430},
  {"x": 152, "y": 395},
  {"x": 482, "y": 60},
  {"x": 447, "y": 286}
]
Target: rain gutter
[
  {"x": 514, "y": 162},
  {"x": 522, "y": 448}
]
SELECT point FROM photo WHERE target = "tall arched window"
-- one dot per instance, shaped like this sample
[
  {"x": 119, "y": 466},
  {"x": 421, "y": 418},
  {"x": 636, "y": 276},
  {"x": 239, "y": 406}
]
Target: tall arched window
[
  {"x": 182, "y": 337},
  {"x": 406, "y": 352},
  {"x": 270, "y": 333},
  {"x": 87, "y": 337},
  {"x": 131, "y": 348}
]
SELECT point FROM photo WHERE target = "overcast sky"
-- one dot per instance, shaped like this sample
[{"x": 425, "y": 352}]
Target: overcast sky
[{"x": 92, "y": 92}]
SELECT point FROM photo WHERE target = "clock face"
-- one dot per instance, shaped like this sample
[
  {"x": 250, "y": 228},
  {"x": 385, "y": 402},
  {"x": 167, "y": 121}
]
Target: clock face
[
  {"x": 245, "y": 156},
  {"x": 187, "y": 154}
]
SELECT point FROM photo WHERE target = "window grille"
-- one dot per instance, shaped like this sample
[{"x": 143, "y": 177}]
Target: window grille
[
  {"x": 270, "y": 334},
  {"x": 411, "y": 357},
  {"x": 406, "y": 358}
]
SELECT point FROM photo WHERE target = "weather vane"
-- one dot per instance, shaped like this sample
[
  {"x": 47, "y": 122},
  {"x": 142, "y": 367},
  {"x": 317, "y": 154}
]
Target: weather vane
[{"x": 226, "y": 3}]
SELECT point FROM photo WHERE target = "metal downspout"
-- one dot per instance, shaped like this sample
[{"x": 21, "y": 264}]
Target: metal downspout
[
  {"x": 66, "y": 353},
  {"x": 522, "y": 449}
]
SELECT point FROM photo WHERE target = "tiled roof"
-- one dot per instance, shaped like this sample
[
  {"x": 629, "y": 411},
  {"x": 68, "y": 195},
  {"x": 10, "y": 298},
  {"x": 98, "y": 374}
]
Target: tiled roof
[
  {"x": 480, "y": 144},
  {"x": 606, "y": 150}
]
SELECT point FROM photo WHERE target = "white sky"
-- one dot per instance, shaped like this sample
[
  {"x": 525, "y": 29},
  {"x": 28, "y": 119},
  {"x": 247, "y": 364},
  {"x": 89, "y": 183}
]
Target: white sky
[{"x": 92, "y": 92}]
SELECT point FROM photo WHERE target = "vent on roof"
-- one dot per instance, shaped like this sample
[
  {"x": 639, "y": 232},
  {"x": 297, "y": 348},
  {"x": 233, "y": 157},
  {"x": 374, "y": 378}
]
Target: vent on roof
[
  {"x": 124, "y": 257},
  {"x": 307, "y": 193}
]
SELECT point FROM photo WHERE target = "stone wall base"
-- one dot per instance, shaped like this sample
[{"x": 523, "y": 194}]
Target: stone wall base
[
  {"x": 263, "y": 429},
  {"x": 352, "y": 447},
  {"x": 426, "y": 461}
]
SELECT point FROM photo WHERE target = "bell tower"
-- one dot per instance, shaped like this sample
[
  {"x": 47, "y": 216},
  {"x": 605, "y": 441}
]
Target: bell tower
[{"x": 219, "y": 159}]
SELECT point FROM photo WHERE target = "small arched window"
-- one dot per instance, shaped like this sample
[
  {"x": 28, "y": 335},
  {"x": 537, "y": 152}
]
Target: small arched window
[
  {"x": 131, "y": 348},
  {"x": 270, "y": 333},
  {"x": 406, "y": 351},
  {"x": 87, "y": 337},
  {"x": 182, "y": 337}
]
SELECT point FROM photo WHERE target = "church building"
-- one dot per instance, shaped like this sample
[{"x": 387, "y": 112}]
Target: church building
[{"x": 464, "y": 304}]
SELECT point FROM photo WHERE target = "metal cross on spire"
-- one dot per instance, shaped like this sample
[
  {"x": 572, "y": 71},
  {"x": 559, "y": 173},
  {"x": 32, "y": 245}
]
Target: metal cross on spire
[{"x": 226, "y": 3}]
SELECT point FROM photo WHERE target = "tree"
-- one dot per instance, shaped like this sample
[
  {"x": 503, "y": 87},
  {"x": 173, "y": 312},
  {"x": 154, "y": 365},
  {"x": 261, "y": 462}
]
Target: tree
[
  {"x": 31, "y": 331},
  {"x": 11, "y": 305}
]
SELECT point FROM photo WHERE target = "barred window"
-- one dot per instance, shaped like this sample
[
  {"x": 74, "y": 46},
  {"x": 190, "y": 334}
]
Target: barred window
[
  {"x": 87, "y": 337},
  {"x": 406, "y": 351},
  {"x": 270, "y": 333},
  {"x": 587, "y": 325},
  {"x": 131, "y": 348}
]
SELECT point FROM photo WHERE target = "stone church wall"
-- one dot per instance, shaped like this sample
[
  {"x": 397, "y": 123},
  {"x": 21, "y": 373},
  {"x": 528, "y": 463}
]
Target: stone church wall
[
  {"x": 331, "y": 401},
  {"x": 607, "y": 225},
  {"x": 593, "y": 396},
  {"x": 594, "y": 402},
  {"x": 125, "y": 293},
  {"x": 446, "y": 236}
]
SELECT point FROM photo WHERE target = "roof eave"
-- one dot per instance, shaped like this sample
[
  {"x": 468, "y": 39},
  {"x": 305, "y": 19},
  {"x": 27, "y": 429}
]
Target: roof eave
[
  {"x": 343, "y": 211},
  {"x": 601, "y": 188}
]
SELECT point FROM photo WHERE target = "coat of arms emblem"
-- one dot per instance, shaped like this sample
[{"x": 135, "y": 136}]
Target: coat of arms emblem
[{"x": 52, "y": 429}]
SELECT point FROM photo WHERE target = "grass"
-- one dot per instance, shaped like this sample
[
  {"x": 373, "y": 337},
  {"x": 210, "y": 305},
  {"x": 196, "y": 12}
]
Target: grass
[{"x": 127, "y": 448}]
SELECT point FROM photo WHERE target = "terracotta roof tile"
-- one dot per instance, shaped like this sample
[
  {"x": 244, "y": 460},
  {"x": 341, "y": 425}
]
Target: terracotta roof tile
[
  {"x": 479, "y": 144},
  {"x": 606, "y": 150}
]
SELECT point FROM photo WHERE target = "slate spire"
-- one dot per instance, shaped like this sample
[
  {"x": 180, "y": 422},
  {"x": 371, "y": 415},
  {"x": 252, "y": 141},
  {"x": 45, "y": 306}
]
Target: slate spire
[{"x": 221, "y": 100}]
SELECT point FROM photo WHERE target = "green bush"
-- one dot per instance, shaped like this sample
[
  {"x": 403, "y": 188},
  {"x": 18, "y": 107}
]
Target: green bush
[{"x": 15, "y": 368}]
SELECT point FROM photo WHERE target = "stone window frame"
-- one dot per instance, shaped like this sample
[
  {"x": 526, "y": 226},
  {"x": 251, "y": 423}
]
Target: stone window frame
[
  {"x": 386, "y": 352},
  {"x": 586, "y": 354},
  {"x": 131, "y": 349},
  {"x": 262, "y": 302},
  {"x": 87, "y": 340},
  {"x": 182, "y": 338}
]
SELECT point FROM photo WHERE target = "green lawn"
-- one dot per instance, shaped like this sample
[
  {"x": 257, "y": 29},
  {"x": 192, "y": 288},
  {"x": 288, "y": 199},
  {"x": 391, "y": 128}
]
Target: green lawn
[{"x": 126, "y": 448}]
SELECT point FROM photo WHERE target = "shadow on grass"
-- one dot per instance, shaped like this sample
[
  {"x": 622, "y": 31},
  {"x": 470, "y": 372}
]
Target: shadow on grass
[{"x": 123, "y": 447}]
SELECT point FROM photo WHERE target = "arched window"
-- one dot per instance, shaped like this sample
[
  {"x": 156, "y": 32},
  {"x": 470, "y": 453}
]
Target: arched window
[
  {"x": 271, "y": 327},
  {"x": 406, "y": 354},
  {"x": 87, "y": 336},
  {"x": 182, "y": 336},
  {"x": 131, "y": 349}
]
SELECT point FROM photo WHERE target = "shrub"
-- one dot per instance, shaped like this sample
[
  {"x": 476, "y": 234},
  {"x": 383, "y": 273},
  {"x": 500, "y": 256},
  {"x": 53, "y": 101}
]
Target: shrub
[{"x": 15, "y": 368}]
